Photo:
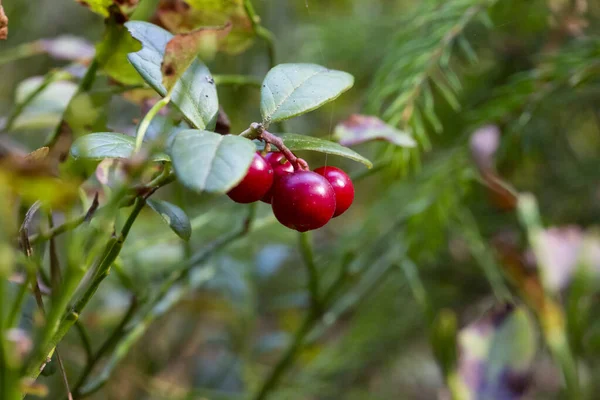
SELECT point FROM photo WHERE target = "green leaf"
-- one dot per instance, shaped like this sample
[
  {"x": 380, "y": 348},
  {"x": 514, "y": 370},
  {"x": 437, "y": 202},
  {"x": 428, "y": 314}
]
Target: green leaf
[
  {"x": 290, "y": 90},
  {"x": 300, "y": 142},
  {"x": 112, "y": 51},
  {"x": 108, "y": 7},
  {"x": 195, "y": 93},
  {"x": 174, "y": 216},
  {"x": 101, "y": 145},
  {"x": 209, "y": 162}
]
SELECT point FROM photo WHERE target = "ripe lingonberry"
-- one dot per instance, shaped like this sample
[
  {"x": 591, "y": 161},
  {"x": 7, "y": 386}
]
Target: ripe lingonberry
[
  {"x": 342, "y": 185},
  {"x": 256, "y": 183},
  {"x": 303, "y": 201},
  {"x": 280, "y": 167}
]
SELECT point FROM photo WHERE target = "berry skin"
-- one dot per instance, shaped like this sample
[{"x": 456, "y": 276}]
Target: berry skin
[
  {"x": 303, "y": 201},
  {"x": 342, "y": 185},
  {"x": 256, "y": 183},
  {"x": 279, "y": 169}
]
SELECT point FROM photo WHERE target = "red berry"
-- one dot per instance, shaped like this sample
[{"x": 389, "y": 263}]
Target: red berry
[
  {"x": 256, "y": 183},
  {"x": 303, "y": 201},
  {"x": 280, "y": 167},
  {"x": 342, "y": 185}
]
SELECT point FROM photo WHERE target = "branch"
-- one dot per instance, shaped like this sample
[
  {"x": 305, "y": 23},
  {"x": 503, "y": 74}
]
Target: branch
[
  {"x": 306, "y": 251},
  {"x": 55, "y": 231},
  {"x": 111, "y": 252},
  {"x": 170, "y": 293},
  {"x": 108, "y": 344},
  {"x": 48, "y": 79},
  {"x": 84, "y": 86},
  {"x": 257, "y": 131},
  {"x": 36, "y": 288},
  {"x": 286, "y": 361},
  {"x": 261, "y": 31}
]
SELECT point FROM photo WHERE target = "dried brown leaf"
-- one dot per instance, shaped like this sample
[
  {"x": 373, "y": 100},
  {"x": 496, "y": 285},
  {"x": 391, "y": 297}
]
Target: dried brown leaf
[{"x": 183, "y": 49}]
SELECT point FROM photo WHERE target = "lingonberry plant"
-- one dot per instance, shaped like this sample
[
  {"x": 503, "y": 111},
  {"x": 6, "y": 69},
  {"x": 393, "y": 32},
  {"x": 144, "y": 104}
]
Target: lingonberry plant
[
  {"x": 165, "y": 235},
  {"x": 197, "y": 151}
]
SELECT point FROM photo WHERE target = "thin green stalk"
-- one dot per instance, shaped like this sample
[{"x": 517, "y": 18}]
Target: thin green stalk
[
  {"x": 50, "y": 78},
  {"x": 288, "y": 358},
  {"x": 85, "y": 340},
  {"x": 306, "y": 250},
  {"x": 55, "y": 334},
  {"x": 483, "y": 256},
  {"x": 261, "y": 31},
  {"x": 84, "y": 86},
  {"x": 143, "y": 127},
  {"x": 108, "y": 344},
  {"x": 237, "y": 80},
  {"x": 552, "y": 319},
  {"x": 24, "y": 50},
  {"x": 411, "y": 273},
  {"x": 169, "y": 294},
  {"x": 15, "y": 312}
]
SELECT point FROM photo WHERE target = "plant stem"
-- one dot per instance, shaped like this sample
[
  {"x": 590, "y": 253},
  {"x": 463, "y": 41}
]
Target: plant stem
[
  {"x": 258, "y": 131},
  {"x": 143, "y": 127},
  {"x": 106, "y": 346},
  {"x": 237, "y": 80},
  {"x": 84, "y": 86},
  {"x": 261, "y": 31},
  {"x": 112, "y": 250},
  {"x": 289, "y": 356},
  {"x": 550, "y": 312},
  {"x": 85, "y": 341},
  {"x": 21, "y": 51},
  {"x": 306, "y": 251},
  {"x": 50, "y": 78},
  {"x": 169, "y": 294}
]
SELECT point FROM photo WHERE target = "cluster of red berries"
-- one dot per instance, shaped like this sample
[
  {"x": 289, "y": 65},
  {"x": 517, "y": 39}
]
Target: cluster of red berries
[{"x": 301, "y": 200}]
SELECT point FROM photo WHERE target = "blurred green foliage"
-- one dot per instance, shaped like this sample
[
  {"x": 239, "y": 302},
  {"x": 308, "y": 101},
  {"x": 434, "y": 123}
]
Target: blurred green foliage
[{"x": 416, "y": 276}]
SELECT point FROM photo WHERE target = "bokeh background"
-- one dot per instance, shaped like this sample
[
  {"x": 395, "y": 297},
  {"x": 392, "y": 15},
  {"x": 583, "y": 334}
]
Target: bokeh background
[{"x": 440, "y": 284}]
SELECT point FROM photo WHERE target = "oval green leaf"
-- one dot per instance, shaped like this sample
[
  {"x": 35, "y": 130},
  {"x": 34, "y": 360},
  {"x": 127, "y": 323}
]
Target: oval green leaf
[
  {"x": 101, "y": 145},
  {"x": 300, "y": 142},
  {"x": 290, "y": 90},
  {"x": 174, "y": 216},
  {"x": 209, "y": 162},
  {"x": 194, "y": 94}
]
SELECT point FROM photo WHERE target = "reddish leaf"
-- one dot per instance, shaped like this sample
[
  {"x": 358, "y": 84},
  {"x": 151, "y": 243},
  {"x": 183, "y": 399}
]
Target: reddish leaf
[
  {"x": 363, "y": 128},
  {"x": 178, "y": 16},
  {"x": 183, "y": 49}
]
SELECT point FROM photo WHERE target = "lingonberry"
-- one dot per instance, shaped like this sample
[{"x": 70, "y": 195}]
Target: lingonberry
[
  {"x": 342, "y": 185},
  {"x": 281, "y": 167},
  {"x": 256, "y": 183},
  {"x": 303, "y": 200}
]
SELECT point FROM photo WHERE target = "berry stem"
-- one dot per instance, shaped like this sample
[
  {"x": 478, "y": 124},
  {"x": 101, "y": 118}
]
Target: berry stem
[
  {"x": 258, "y": 131},
  {"x": 145, "y": 124}
]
